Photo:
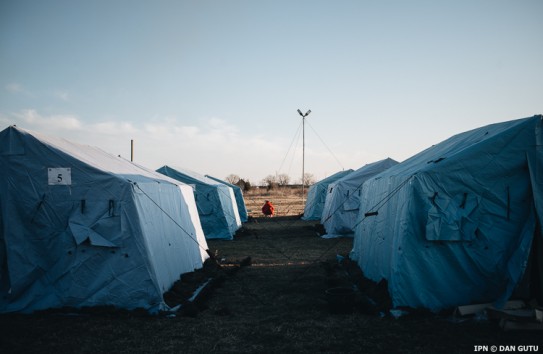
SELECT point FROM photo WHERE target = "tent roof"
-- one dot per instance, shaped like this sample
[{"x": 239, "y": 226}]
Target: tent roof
[
  {"x": 368, "y": 169},
  {"x": 334, "y": 177},
  {"x": 89, "y": 155},
  {"x": 459, "y": 147},
  {"x": 190, "y": 176},
  {"x": 223, "y": 182}
]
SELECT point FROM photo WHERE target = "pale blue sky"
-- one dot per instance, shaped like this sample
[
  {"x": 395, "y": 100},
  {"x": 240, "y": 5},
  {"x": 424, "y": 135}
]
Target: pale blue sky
[{"x": 214, "y": 86}]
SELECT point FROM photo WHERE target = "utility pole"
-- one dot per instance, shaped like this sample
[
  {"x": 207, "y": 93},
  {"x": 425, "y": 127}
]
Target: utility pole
[{"x": 303, "y": 153}]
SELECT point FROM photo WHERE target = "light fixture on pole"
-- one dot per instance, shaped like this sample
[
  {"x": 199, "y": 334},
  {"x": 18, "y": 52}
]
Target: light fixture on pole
[{"x": 303, "y": 152}]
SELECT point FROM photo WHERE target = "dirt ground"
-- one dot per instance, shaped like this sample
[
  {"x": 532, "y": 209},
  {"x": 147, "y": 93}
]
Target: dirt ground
[{"x": 274, "y": 302}]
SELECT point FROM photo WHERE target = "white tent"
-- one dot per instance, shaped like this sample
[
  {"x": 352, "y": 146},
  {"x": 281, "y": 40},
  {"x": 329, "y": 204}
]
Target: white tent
[
  {"x": 80, "y": 227},
  {"x": 238, "y": 193},
  {"x": 216, "y": 202},
  {"x": 343, "y": 199},
  {"x": 316, "y": 196},
  {"x": 456, "y": 223}
]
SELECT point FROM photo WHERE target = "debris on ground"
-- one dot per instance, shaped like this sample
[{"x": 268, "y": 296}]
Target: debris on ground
[
  {"x": 188, "y": 295},
  {"x": 514, "y": 315}
]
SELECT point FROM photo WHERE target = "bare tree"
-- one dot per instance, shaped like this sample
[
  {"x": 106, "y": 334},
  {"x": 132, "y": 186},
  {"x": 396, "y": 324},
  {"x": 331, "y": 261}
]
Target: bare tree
[
  {"x": 283, "y": 179},
  {"x": 270, "y": 182},
  {"x": 309, "y": 179},
  {"x": 232, "y": 179}
]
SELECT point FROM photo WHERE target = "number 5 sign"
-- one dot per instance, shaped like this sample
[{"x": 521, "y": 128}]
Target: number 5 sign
[{"x": 59, "y": 176}]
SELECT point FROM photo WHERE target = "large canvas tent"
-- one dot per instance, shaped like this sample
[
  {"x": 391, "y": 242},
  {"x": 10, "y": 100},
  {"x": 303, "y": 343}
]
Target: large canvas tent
[
  {"x": 238, "y": 194},
  {"x": 460, "y": 222},
  {"x": 342, "y": 201},
  {"x": 215, "y": 201},
  {"x": 80, "y": 227},
  {"x": 316, "y": 195}
]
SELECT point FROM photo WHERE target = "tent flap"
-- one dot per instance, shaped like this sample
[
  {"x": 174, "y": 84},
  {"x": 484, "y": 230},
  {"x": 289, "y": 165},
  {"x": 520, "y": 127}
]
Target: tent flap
[
  {"x": 449, "y": 218},
  {"x": 81, "y": 233}
]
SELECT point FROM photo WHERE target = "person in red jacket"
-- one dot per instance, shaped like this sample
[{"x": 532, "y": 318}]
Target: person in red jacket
[{"x": 268, "y": 209}]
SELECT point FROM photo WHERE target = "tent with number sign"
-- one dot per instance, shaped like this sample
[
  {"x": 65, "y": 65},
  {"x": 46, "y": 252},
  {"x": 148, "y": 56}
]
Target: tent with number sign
[
  {"x": 342, "y": 201},
  {"x": 460, "y": 222},
  {"x": 215, "y": 201},
  {"x": 80, "y": 228},
  {"x": 316, "y": 195}
]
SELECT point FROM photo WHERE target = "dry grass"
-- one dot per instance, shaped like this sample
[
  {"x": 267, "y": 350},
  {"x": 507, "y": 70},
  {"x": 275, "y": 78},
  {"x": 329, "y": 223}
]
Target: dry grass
[
  {"x": 287, "y": 201},
  {"x": 276, "y": 305}
]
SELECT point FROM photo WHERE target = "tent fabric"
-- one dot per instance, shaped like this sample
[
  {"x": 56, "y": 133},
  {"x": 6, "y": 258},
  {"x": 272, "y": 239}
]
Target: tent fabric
[
  {"x": 216, "y": 202},
  {"x": 453, "y": 225},
  {"x": 316, "y": 195},
  {"x": 80, "y": 227},
  {"x": 342, "y": 201},
  {"x": 238, "y": 193}
]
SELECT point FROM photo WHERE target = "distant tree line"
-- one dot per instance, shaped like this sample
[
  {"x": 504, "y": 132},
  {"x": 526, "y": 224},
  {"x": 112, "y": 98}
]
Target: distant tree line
[{"x": 270, "y": 182}]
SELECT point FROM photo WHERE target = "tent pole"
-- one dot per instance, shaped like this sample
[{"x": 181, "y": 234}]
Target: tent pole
[
  {"x": 303, "y": 153},
  {"x": 303, "y": 159}
]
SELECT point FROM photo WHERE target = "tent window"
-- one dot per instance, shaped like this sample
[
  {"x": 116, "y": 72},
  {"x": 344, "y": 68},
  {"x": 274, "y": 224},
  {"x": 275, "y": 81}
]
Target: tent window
[{"x": 83, "y": 234}]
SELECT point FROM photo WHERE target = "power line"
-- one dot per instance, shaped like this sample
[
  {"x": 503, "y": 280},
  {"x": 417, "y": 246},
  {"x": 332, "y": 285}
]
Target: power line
[
  {"x": 295, "y": 138},
  {"x": 323, "y": 143}
]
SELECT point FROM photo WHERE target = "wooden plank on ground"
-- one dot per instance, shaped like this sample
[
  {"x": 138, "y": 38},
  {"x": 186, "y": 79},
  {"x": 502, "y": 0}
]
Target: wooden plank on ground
[{"x": 473, "y": 309}]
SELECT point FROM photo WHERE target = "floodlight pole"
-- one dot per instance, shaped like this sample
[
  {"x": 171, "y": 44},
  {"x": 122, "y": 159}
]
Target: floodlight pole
[{"x": 303, "y": 153}]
